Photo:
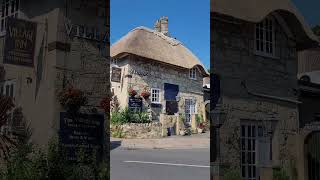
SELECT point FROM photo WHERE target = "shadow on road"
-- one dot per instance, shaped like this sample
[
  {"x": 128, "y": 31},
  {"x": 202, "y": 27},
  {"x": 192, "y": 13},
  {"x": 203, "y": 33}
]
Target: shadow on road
[{"x": 115, "y": 144}]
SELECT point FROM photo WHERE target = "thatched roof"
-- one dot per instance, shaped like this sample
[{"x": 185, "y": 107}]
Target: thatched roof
[
  {"x": 257, "y": 10},
  {"x": 155, "y": 45}
]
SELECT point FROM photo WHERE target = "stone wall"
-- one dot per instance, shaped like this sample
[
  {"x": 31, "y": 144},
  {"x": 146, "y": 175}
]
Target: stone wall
[
  {"x": 235, "y": 60},
  {"x": 152, "y": 74},
  {"x": 137, "y": 130}
]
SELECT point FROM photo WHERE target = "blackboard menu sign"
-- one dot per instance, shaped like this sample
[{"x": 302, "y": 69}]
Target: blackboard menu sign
[
  {"x": 171, "y": 107},
  {"x": 20, "y": 42},
  {"x": 135, "y": 103},
  {"x": 81, "y": 132},
  {"x": 116, "y": 74}
]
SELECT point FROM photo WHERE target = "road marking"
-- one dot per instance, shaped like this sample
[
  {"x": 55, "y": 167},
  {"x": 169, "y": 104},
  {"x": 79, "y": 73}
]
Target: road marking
[{"x": 169, "y": 164}]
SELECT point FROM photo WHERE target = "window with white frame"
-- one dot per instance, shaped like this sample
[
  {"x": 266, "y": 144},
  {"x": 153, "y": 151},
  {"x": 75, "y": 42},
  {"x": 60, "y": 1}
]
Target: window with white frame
[
  {"x": 256, "y": 149},
  {"x": 155, "y": 95},
  {"x": 265, "y": 37},
  {"x": 9, "y": 8},
  {"x": 193, "y": 73},
  {"x": 114, "y": 61},
  {"x": 7, "y": 88}
]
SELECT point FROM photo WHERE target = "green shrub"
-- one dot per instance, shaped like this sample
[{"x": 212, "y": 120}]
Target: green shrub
[
  {"x": 118, "y": 132},
  {"x": 30, "y": 163},
  {"x": 117, "y": 118},
  {"x": 280, "y": 174},
  {"x": 128, "y": 116},
  {"x": 140, "y": 117},
  {"x": 232, "y": 174}
]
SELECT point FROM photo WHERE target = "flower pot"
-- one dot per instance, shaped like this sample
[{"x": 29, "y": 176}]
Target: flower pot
[
  {"x": 182, "y": 133},
  {"x": 200, "y": 130}
]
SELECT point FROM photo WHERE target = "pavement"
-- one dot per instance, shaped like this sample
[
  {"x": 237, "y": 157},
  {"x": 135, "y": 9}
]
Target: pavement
[
  {"x": 194, "y": 141},
  {"x": 160, "y": 164}
]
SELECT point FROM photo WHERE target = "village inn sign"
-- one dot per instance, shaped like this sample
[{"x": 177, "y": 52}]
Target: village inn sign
[{"x": 85, "y": 32}]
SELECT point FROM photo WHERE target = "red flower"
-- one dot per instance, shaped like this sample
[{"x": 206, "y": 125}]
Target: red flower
[
  {"x": 132, "y": 92},
  {"x": 145, "y": 94},
  {"x": 201, "y": 126}
]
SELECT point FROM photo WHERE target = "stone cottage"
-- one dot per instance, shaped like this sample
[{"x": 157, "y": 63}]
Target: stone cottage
[
  {"x": 255, "y": 49},
  {"x": 149, "y": 60},
  {"x": 309, "y": 112},
  {"x": 68, "y": 51}
]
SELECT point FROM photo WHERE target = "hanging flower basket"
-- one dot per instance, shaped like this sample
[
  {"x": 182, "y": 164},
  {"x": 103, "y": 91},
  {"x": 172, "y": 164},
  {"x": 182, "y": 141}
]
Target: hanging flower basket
[
  {"x": 72, "y": 99},
  {"x": 105, "y": 104},
  {"x": 145, "y": 94},
  {"x": 132, "y": 92}
]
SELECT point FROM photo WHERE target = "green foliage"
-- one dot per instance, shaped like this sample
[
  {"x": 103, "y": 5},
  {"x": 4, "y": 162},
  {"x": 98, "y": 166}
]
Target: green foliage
[
  {"x": 280, "y": 174},
  {"x": 182, "y": 117},
  {"x": 199, "y": 118},
  {"x": 30, "y": 163},
  {"x": 118, "y": 132},
  {"x": 140, "y": 117},
  {"x": 232, "y": 174},
  {"x": 128, "y": 116},
  {"x": 118, "y": 118}
]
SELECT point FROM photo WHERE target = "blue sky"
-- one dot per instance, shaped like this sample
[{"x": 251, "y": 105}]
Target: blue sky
[
  {"x": 189, "y": 21},
  {"x": 310, "y": 10}
]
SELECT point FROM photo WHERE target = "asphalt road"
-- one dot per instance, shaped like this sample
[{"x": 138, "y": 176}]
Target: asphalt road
[{"x": 160, "y": 164}]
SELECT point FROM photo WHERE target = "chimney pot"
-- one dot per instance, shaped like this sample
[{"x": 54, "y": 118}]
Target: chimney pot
[{"x": 161, "y": 25}]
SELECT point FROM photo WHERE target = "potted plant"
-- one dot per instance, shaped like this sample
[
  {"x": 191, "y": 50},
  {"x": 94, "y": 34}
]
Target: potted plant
[
  {"x": 72, "y": 99},
  {"x": 200, "y": 123},
  {"x": 201, "y": 128},
  {"x": 145, "y": 94},
  {"x": 132, "y": 92}
]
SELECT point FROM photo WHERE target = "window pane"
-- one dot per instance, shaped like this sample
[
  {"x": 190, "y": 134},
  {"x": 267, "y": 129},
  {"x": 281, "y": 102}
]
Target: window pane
[
  {"x": 253, "y": 131},
  {"x": 243, "y": 131},
  {"x": 12, "y": 7},
  {"x": 7, "y": 90},
  {"x": 243, "y": 171},
  {"x": 11, "y": 90},
  {"x": 17, "y": 5},
  {"x": 7, "y": 9},
  {"x": 243, "y": 158},
  {"x": 2, "y": 24},
  {"x": 3, "y": 9}
]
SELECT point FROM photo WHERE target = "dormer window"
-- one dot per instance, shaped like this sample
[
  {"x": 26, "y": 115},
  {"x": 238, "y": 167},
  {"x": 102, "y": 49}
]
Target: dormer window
[
  {"x": 265, "y": 37},
  {"x": 193, "y": 73},
  {"x": 9, "y": 8},
  {"x": 114, "y": 61}
]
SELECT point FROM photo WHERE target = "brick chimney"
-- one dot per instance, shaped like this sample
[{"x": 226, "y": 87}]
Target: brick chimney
[{"x": 161, "y": 25}]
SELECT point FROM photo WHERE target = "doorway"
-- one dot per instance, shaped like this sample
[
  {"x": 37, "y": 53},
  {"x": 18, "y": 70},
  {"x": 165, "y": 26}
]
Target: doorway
[
  {"x": 190, "y": 108},
  {"x": 312, "y": 145}
]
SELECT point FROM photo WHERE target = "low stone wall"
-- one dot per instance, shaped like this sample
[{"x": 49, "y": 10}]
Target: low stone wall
[{"x": 138, "y": 130}]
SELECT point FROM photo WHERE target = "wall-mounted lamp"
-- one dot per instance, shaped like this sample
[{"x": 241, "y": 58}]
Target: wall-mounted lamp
[
  {"x": 29, "y": 80},
  {"x": 218, "y": 116}
]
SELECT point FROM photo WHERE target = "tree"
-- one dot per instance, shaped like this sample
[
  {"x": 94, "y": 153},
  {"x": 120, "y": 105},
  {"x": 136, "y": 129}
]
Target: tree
[{"x": 316, "y": 30}]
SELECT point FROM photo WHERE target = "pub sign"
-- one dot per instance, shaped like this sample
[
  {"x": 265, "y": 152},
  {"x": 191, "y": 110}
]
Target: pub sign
[
  {"x": 20, "y": 42},
  {"x": 135, "y": 103},
  {"x": 81, "y": 132},
  {"x": 116, "y": 74}
]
